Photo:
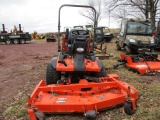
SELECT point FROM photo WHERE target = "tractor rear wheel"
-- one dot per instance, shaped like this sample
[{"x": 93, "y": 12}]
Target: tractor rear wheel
[
  {"x": 52, "y": 76},
  {"x": 102, "y": 73}
]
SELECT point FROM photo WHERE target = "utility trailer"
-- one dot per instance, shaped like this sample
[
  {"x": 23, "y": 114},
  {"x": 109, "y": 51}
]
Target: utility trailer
[{"x": 18, "y": 37}]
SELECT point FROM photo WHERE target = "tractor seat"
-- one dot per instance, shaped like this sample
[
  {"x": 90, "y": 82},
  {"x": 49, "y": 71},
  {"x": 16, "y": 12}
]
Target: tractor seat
[
  {"x": 77, "y": 34},
  {"x": 80, "y": 44},
  {"x": 78, "y": 40}
]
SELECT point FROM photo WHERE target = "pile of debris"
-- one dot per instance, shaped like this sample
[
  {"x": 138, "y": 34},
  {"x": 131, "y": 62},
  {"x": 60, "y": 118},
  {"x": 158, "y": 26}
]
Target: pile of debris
[
  {"x": 37, "y": 36},
  {"x": 51, "y": 37}
]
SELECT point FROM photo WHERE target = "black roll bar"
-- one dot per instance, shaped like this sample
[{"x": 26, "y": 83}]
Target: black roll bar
[{"x": 70, "y": 5}]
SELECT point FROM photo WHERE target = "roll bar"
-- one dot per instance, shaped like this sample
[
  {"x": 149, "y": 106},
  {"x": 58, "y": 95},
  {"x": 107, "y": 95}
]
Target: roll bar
[{"x": 70, "y": 5}]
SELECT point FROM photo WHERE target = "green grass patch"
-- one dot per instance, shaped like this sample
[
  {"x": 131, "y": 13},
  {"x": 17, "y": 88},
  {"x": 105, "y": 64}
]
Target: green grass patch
[{"x": 16, "y": 109}]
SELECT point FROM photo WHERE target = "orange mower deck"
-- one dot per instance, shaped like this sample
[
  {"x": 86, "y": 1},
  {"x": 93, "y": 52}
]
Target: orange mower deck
[
  {"x": 142, "y": 67},
  {"x": 83, "y": 97}
]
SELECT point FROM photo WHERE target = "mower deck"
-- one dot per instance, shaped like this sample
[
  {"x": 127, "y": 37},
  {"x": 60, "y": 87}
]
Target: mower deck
[
  {"x": 81, "y": 97},
  {"x": 142, "y": 67}
]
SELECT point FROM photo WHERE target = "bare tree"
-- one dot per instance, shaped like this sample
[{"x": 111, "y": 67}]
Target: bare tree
[
  {"x": 134, "y": 8},
  {"x": 89, "y": 13}
]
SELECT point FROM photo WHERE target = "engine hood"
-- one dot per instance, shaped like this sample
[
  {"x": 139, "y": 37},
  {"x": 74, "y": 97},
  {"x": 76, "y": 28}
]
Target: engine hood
[{"x": 139, "y": 38}]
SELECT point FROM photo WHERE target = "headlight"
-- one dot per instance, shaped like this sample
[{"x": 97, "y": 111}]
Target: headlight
[
  {"x": 80, "y": 50},
  {"x": 132, "y": 40},
  {"x": 152, "y": 41}
]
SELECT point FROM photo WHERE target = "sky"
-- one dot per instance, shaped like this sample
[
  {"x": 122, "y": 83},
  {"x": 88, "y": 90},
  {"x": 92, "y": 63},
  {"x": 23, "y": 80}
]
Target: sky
[{"x": 42, "y": 15}]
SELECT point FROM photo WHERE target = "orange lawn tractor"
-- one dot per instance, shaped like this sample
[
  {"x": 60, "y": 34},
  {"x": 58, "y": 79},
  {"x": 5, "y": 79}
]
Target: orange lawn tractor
[
  {"x": 76, "y": 81},
  {"x": 144, "y": 63}
]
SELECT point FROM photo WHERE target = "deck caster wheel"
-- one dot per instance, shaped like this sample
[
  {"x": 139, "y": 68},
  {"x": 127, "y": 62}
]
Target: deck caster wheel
[
  {"x": 128, "y": 108},
  {"x": 115, "y": 66},
  {"x": 40, "y": 115},
  {"x": 91, "y": 115}
]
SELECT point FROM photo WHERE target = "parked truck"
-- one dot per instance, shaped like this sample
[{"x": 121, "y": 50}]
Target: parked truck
[
  {"x": 15, "y": 36},
  {"x": 135, "y": 36}
]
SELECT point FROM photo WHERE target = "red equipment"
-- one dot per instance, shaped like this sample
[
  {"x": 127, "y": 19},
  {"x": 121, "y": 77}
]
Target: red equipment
[
  {"x": 83, "y": 97},
  {"x": 146, "y": 63},
  {"x": 76, "y": 81}
]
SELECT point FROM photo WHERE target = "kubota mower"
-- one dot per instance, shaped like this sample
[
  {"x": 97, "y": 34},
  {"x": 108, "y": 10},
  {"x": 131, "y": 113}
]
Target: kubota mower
[
  {"x": 143, "y": 63},
  {"x": 76, "y": 81}
]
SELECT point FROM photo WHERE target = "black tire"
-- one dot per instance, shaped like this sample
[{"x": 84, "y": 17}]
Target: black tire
[
  {"x": 102, "y": 73},
  {"x": 52, "y": 76},
  {"x": 15, "y": 41},
  {"x": 40, "y": 115},
  {"x": 118, "y": 48},
  {"x": 8, "y": 42},
  {"x": 157, "y": 40},
  {"x": 128, "y": 108},
  {"x": 48, "y": 40},
  {"x": 22, "y": 41},
  {"x": 91, "y": 115},
  {"x": 127, "y": 50}
]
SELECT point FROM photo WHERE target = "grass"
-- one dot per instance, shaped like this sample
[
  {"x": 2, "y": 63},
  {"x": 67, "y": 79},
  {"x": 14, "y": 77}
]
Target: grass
[
  {"x": 148, "y": 104},
  {"x": 16, "y": 109}
]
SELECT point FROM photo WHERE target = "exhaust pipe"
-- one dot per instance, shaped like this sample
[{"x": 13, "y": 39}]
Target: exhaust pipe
[
  {"x": 20, "y": 28},
  {"x": 3, "y": 26}
]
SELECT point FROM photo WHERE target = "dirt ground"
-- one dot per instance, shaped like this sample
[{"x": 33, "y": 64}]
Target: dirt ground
[{"x": 17, "y": 63}]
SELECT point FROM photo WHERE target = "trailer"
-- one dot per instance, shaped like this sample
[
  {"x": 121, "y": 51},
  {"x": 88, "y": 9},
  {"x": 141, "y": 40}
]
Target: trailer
[{"x": 16, "y": 37}]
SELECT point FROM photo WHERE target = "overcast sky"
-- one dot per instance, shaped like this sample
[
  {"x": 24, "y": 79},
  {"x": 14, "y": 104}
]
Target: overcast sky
[{"x": 42, "y": 15}]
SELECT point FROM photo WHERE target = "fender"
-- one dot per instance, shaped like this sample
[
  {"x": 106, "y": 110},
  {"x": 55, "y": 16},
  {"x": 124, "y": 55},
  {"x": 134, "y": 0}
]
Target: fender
[
  {"x": 100, "y": 64},
  {"x": 54, "y": 62}
]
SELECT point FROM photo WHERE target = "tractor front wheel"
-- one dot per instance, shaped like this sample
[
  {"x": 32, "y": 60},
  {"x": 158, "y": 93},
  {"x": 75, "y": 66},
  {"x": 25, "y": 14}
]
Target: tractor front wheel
[
  {"x": 102, "y": 73},
  {"x": 52, "y": 76}
]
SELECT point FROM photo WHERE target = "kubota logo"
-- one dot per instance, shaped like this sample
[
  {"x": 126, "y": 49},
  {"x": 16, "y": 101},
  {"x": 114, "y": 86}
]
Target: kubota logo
[
  {"x": 80, "y": 49},
  {"x": 141, "y": 66}
]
